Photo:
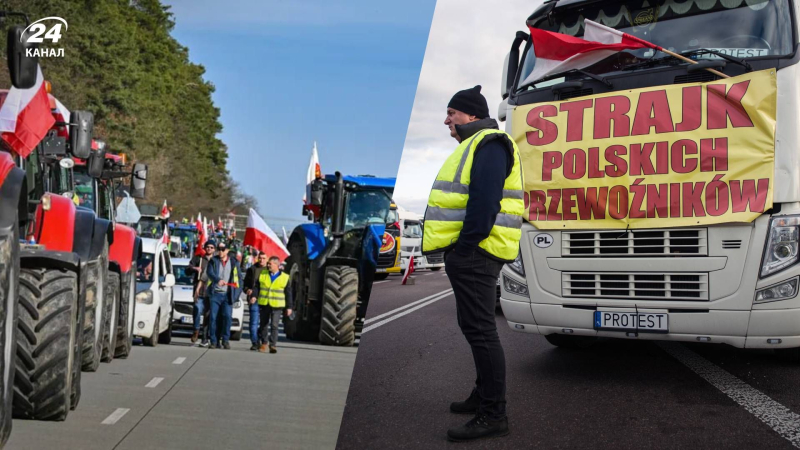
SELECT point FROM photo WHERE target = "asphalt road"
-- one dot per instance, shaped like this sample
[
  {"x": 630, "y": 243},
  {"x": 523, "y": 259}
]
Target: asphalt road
[
  {"x": 413, "y": 361},
  {"x": 181, "y": 396}
]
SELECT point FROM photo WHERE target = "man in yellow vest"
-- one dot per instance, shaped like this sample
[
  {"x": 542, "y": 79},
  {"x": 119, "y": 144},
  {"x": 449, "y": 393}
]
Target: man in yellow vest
[
  {"x": 474, "y": 215},
  {"x": 274, "y": 293}
]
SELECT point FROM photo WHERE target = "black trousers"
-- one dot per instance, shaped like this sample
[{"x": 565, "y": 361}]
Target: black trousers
[
  {"x": 474, "y": 281},
  {"x": 269, "y": 328}
]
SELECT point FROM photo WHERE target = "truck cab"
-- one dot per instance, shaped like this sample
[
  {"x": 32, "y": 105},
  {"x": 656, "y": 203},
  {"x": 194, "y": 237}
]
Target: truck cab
[{"x": 719, "y": 281}]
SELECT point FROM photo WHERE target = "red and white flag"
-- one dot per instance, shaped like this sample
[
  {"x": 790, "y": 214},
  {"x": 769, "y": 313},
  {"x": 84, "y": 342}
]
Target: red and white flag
[
  {"x": 202, "y": 237},
  {"x": 313, "y": 173},
  {"x": 165, "y": 237},
  {"x": 25, "y": 116},
  {"x": 259, "y": 235},
  {"x": 410, "y": 267},
  {"x": 165, "y": 211},
  {"x": 61, "y": 114},
  {"x": 557, "y": 53}
]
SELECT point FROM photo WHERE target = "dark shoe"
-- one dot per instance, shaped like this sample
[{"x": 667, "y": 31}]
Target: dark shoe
[
  {"x": 195, "y": 335},
  {"x": 468, "y": 406},
  {"x": 204, "y": 343},
  {"x": 217, "y": 345},
  {"x": 226, "y": 345},
  {"x": 254, "y": 347},
  {"x": 273, "y": 349},
  {"x": 478, "y": 428}
]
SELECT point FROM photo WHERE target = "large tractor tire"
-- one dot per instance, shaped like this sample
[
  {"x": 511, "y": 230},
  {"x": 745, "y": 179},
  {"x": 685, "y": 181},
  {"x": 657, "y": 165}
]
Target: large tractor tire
[
  {"x": 9, "y": 288},
  {"x": 339, "y": 304},
  {"x": 112, "y": 317},
  {"x": 49, "y": 302},
  {"x": 97, "y": 274},
  {"x": 127, "y": 307},
  {"x": 304, "y": 324}
]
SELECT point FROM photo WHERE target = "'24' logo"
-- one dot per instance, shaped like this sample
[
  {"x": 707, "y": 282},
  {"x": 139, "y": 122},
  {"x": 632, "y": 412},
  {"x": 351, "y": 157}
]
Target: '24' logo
[{"x": 37, "y": 29}]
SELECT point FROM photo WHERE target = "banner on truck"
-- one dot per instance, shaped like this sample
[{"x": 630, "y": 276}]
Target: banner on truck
[{"x": 664, "y": 156}]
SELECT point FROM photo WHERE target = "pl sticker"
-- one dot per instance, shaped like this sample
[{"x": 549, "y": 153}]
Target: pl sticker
[{"x": 543, "y": 240}]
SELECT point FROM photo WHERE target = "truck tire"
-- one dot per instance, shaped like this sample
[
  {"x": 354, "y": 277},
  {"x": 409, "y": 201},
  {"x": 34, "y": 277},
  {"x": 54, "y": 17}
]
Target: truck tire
[
  {"x": 112, "y": 317},
  {"x": 436, "y": 269},
  {"x": 152, "y": 341},
  {"x": 48, "y": 300},
  {"x": 304, "y": 323},
  {"x": 166, "y": 337},
  {"x": 339, "y": 304},
  {"x": 97, "y": 273},
  {"x": 572, "y": 342},
  {"x": 127, "y": 308},
  {"x": 9, "y": 288}
]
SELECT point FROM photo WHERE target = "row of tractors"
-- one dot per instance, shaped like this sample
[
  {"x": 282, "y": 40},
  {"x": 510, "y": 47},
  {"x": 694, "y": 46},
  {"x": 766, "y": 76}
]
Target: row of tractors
[{"x": 67, "y": 270}]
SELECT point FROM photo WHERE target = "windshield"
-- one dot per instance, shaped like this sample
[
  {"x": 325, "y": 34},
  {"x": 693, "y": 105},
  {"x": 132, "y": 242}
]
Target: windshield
[
  {"x": 187, "y": 237},
  {"x": 150, "y": 228},
  {"x": 181, "y": 277},
  {"x": 367, "y": 207},
  {"x": 84, "y": 190},
  {"x": 412, "y": 230},
  {"x": 144, "y": 268},
  {"x": 740, "y": 28}
]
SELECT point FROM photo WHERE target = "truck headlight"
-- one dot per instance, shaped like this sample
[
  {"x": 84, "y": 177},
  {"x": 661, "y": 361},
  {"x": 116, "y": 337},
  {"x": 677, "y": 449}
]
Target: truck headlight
[
  {"x": 781, "y": 291},
  {"x": 781, "y": 249},
  {"x": 145, "y": 297},
  {"x": 515, "y": 287},
  {"x": 517, "y": 266}
]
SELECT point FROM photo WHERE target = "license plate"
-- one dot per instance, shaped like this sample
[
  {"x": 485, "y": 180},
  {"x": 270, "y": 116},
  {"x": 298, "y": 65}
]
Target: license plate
[
  {"x": 187, "y": 319},
  {"x": 631, "y": 321}
]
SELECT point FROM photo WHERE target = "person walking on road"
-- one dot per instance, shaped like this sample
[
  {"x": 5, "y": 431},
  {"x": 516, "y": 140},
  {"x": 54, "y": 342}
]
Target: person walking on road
[
  {"x": 197, "y": 268},
  {"x": 274, "y": 293},
  {"x": 250, "y": 281},
  {"x": 225, "y": 279},
  {"x": 474, "y": 215}
]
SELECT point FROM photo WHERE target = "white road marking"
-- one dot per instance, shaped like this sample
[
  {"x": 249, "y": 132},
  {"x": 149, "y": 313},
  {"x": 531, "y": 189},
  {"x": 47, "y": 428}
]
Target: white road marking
[
  {"x": 373, "y": 319},
  {"x": 379, "y": 282},
  {"x": 780, "y": 418},
  {"x": 444, "y": 274},
  {"x": 179, "y": 360},
  {"x": 154, "y": 382},
  {"x": 385, "y": 321},
  {"x": 115, "y": 416}
]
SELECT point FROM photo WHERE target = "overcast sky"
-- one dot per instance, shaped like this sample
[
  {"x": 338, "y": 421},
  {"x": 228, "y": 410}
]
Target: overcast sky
[{"x": 468, "y": 42}]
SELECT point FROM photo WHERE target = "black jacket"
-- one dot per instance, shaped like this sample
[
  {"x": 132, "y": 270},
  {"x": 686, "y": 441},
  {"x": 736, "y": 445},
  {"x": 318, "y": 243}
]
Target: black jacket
[
  {"x": 491, "y": 165},
  {"x": 251, "y": 277}
]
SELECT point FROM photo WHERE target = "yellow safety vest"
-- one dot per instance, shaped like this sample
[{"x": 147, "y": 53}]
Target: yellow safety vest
[
  {"x": 272, "y": 292},
  {"x": 447, "y": 204}
]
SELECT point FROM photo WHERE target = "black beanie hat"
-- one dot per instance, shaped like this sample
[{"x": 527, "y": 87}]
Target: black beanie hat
[{"x": 470, "y": 101}]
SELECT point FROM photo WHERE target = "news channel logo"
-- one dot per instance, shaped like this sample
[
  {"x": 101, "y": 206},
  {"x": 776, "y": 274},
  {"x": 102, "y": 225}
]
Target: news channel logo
[{"x": 44, "y": 31}]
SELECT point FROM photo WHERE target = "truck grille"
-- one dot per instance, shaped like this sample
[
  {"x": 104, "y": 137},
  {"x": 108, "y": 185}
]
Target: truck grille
[
  {"x": 645, "y": 286},
  {"x": 436, "y": 258},
  {"x": 644, "y": 243},
  {"x": 386, "y": 260}
]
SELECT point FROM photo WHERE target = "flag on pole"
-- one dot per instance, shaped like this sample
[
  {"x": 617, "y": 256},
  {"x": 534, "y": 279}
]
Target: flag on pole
[
  {"x": 285, "y": 238},
  {"x": 557, "y": 53},
  {"x": 312, "y": 174},
  {"x": 25, "y": 116},
  {"x": 165, "y": 211},
  {"x": 259, "y": 235},
  {"x": 165, "y": 237},
  {"x": 61, "y": 114},
  {"x": 410, "y": 266},
  {"x": 202, "y": 237}
]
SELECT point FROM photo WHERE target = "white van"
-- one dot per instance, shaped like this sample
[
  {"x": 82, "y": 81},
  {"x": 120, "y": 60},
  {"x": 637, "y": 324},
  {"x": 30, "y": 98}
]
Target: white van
[
  {"x": 411, "y": 224},
  {"x": 154, "y": 305}
]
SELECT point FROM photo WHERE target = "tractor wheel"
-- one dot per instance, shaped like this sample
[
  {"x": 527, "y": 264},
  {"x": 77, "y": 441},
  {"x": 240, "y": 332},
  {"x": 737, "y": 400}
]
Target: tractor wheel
[
  {"x": 46, "y": 328},
  {"x": 166, "y": 336},
  {"x": 9, "y": 287},
  {"x": 152, "y": 341},
  {"x": 95, "y": 312},
  {"x": 339, "y": 303},
  {"x": 112, "y": 317},
  {"x": 127, "y": 307},
  {"x": 305, "y": 321}
]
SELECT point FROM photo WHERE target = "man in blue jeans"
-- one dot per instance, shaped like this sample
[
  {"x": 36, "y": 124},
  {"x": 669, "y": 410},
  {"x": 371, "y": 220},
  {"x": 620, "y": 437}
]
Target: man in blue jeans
[
  {"x": 197, "y": 268},
  {"x": 250, "y": 282},
  {"x": 225, "y": 278}
]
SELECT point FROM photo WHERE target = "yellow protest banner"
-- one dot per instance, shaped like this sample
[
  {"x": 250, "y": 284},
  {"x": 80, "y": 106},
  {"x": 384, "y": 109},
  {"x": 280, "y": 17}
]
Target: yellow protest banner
[{"x": 665, "y": 156}]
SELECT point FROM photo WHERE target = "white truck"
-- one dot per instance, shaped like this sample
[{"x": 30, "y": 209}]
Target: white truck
[
  {"x": 683, "y": 275},
  {"x": 411, "y": 224}
]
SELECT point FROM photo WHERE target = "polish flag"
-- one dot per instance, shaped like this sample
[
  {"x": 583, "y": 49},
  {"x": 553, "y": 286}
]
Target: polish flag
[
  {"x": 61, "y": 114},
  {"x": 259, "y": 235},
  {"x": 410, "y": 267},
  {"x": 557, "y": 53},
  {"x": 165, "y": 211},
  {"x": 313, "y": 173},
  {"x": 201, "y": 238},
  {"x": 25, "y": 116}
]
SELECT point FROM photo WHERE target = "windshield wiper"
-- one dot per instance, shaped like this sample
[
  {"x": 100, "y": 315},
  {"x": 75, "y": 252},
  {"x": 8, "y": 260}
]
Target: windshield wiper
[
  {"x": 739, "y": 61},
  {"x": 559, "y": 74}
]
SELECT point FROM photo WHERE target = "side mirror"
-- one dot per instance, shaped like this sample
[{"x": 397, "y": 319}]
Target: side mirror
[
  {"x": 169, "y": 280},
  {"x": 23, "y": 68},
  {"x": 138, "y": 180},
  {"x": 317, "y": 188},
  {"x": 80, "y": 136},
  {"x": 95, "y": 163},
  {"x": 504, "y": 78}
]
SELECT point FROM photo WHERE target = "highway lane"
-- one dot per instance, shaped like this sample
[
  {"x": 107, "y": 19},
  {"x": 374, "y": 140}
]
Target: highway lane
[
  {"x": 618, "y": 393},
  {"x": 181, "y": 396}
]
